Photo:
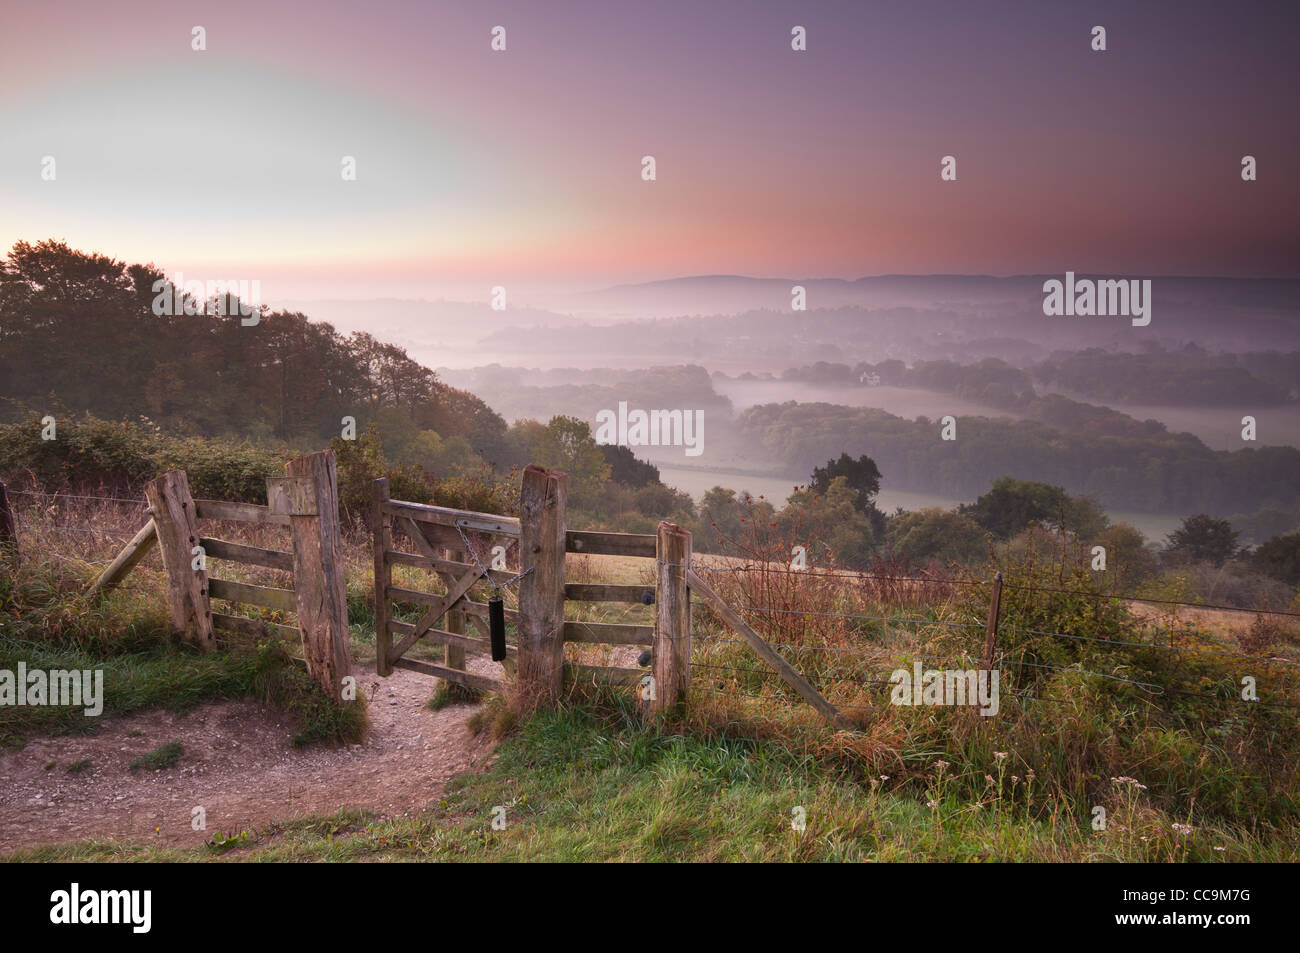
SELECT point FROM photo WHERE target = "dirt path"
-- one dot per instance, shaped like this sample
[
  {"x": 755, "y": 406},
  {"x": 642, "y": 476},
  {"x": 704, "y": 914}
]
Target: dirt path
[{"x": 239, "y": 765}]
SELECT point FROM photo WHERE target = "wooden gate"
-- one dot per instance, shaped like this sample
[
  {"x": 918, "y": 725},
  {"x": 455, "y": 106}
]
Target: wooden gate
[{"x": 459, "y": 547}]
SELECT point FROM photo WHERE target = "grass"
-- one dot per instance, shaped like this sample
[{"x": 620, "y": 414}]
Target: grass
[
  {"x": 48, "y": 623},
  {"x": 161, "y": 758},
  {"x": 591, "y": 783},
  {"x": 728, "y": 776}
]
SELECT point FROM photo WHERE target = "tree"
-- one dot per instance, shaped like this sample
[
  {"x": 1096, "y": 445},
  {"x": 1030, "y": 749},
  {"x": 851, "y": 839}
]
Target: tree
[
  {"x": 1011, "y": 505},
  {"x": 1127, "y": 557},
  {"x": 1202, "y": 538},
  {"x": 862, "y": 476},
  {"x": 862, "y": 480},
  {"x": 829, "y": 523},
  {"x": 1279, "y": 557},
  {"x": 938, "y": 534},
  {"x": 625, "y": 468},
  {"x": 566, "y": 444}
]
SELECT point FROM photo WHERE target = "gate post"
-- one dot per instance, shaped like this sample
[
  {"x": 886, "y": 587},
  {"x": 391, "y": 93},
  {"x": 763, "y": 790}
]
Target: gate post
[
  {"x": 176, "y": 524},
  {"x": 381, "y": 525},
  {"x": 542, "y": 538},
  {"x": 671, "y": 665},
  {"x": 318, "y": 569}
]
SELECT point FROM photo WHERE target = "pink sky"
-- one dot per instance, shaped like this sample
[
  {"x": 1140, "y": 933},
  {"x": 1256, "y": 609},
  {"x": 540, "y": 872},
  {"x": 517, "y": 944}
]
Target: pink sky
[{"x": 522, "y": 168}]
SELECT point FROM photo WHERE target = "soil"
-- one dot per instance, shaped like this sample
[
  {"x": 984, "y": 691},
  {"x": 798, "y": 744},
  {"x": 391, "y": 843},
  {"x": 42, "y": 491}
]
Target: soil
[{"x": 239, "y": 764}]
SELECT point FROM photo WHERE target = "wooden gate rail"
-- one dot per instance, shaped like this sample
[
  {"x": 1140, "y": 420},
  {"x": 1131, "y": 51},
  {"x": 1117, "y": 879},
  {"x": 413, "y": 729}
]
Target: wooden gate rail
[{"x": 766, "y": 652}]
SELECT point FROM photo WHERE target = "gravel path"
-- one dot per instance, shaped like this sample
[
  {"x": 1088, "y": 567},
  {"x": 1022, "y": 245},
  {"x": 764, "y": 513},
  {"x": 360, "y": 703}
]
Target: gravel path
[{"x": 239, "y": 765}]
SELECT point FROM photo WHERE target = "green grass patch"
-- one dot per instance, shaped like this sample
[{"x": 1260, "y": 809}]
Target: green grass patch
[
  {"x": 592, "y": 784},
  {"x": 161, "y": 758}
]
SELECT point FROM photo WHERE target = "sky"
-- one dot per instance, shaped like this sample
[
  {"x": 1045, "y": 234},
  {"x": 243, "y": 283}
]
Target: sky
[{"x": 523, "y": 168}]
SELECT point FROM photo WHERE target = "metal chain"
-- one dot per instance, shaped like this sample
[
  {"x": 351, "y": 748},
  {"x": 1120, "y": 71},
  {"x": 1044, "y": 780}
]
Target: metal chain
[{"x": 487, "y": 574}]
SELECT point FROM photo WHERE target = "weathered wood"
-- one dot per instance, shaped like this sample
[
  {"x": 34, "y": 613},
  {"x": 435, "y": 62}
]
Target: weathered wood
[
  {"x": 440, "y": 565},
  {"x": 176, "y": 523},
  {"x": 642, "y": 595},
  {"x": 609, "y": 633},
  {"x": 543, "y": 496},
  {"x": 468, "y": 520},
  {"x": 437, "y": 610},
  {"x": 429, "y": 538},
  {"x": 605, "y": 673},
  {"x": 272, "y": 598},
  {"x": 238, "y": 512},
  {"x": 254, "y": 628},
  {"x": 454, "y": 654},
  {"x": 766, "y": 652},
  {"x": 8, "y": 532},
  {"x": 248, "y": 555},
  {"x": 991, "y": 627},
  {"x": 381, "y": 525},
  {"x": 291, "y": 496},
  {"x": 671, "y": 655},
  {"x": 466, "y": 605},
  {"x": 318, "y": 576},
  {"x": 126, "y": 560},
  {"x": 450, "y": 674},
  {"x": 442, "y": 637},
  {"x": 611, "y": 544},
  {"x": 479, "y": 610}
]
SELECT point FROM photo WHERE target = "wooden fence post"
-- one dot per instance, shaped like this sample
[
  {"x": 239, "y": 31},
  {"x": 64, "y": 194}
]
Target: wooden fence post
[
  {"x": 382, "y": 527},
  {"x": 176, "y": 525},
  {"x": 991, "y": 628},
  {"x": 454, "y": 655},
  {"x": 542, "y": 536},
  {"x": 318, "y": 570},
  {"x": 671, "y": 658},
  {"x": 8, "y": 535}
]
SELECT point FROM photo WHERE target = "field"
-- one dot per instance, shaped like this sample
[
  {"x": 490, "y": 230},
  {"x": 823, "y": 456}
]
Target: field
[{"x": 1145, "y": 729}]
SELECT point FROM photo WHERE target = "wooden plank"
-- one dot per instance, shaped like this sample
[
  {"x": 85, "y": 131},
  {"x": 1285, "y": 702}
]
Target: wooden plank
[
  {"x": 642, "y": 595},
  {"x": 469, "y": 520},
  {"x": 272, "y": 598},
  {"x": 766, "y": 652},
  {"x": 439, "y": 565},
  {"x": 605, "y": 673},
  {"x": 454, "y": 653},
  {"x": 381, "y": 526},
  {"x": 255, "y": 628},
  {"x": 543, "y": 496},
  {"x": 466, "y": 605},
  {"x": 609, "y": 633},
  {"x": 430, "y": 538},
  {"x": 126, "y": 560},
  {"x": 318, "y": 576},
  {"x": 291, "y": 496},
  {"x": 671, "y": 656},
  {"x": 176, "y": 525},
  {"x": 611, "y": 544},
  {"x": 238, "y": 512},
  {"x": 443, "y": 637},
  {"x": 479, "y": 610},
  {"x": 450, "y": 674},
  {"x": 249, "y": 555}
]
